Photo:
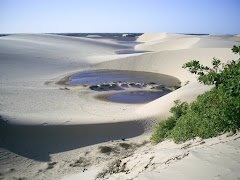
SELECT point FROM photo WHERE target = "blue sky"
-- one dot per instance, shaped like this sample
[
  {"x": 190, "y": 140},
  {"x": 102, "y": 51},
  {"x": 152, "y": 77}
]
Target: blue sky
[{"x": 175, "y": 16}]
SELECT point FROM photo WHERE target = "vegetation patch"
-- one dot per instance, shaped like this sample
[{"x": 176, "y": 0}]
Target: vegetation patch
[
  {"x": 51, "y": 165},
  {"x": 176, "y": 87},
  {"x": 106, "y": 149},
  {"x": 117, "y": 166},
  {"x": 81, "y": 162},
  {"x": 186, "y": 83},
  {"x": 113, "y": 168},
  {"x": 214, "y": 112},
  {"x": 142, "y": 144},
  {"x": 125, "y": 145},
  {"x": 20, "y": 178}
]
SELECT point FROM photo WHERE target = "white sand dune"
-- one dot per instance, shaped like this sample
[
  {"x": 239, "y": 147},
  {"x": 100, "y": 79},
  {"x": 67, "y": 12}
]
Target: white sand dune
[
  {"x": 165, "y": 41},
  {"x": 146, "y": 37},
  {"x": 162, "y": 62},
  {"x": 41, "y": 122},
  {"x": 215, "y": 158},
  {"x": 29, "y": 61},
  {"x": 45, "y": 53},
  {"x": 168, "y": 41}
]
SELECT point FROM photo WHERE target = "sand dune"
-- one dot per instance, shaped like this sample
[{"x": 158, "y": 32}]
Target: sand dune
[
  {"x": 162, "y": 62},
  {"x": 29, "y": 61},
  {"x": 146, "y": 37},
  {"x": 37, "y": 55},
  {"x": 170, "y": 62},
  {"x": 167, "y": 41},
  {"x": 41, "y": 121},
  {"x": 200, "y": 159},
  {"x": 168, "y": 44}
]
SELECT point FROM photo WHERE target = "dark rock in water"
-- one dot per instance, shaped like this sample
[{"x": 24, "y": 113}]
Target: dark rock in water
[{"x": 65, "y": 88}]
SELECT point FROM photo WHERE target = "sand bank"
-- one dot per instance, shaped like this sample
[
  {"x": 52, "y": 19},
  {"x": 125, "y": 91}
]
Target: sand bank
[{"x": 43, "y": 121}]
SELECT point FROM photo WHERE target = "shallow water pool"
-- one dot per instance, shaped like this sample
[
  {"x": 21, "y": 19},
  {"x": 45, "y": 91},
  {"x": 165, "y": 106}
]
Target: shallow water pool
[
  {"x": 95, "y": 77},
  {"x": 130, "y": 43},
  {"x": 130, "y": 52},
  {"x": 136, "y": 96}
]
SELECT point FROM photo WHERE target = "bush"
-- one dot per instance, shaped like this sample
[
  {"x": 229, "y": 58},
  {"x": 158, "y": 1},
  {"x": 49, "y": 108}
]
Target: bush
[
  {"x": 226, "y": 78},
  {"x": 214, "y": 112},
  {"x": 211, "y": 114},
  {"x": 163, "y": 129}
]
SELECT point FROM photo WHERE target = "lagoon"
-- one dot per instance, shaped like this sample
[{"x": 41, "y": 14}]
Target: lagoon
[{"x": 94, "y": 77}]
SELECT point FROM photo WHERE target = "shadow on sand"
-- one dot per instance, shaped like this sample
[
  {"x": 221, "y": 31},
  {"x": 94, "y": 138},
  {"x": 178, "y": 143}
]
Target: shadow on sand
[{"x": 38, "y": 142}]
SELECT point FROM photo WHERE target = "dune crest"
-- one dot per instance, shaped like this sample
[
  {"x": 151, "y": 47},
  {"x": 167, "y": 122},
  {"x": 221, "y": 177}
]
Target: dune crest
[
  {"x": 146, "y": 37},
  {"x": 168, "y": 44}
]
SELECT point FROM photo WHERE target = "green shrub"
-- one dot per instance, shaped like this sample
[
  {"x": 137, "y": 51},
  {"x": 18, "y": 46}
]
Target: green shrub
[
  {"x": 163, "y": 129},
  {"x": 213, "y": 113},
  {"x": 226, "y": 78},
  {"x": 236, "y": 49}
]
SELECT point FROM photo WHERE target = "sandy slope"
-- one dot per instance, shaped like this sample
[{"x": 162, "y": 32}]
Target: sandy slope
[
  {"x": 216, "y": 158},
  {"x": 170, "y": 63},
  {"x": 29, "y": 61},
  {"x": 42, "y": 122},
  {"x": 42, "y": 116}
]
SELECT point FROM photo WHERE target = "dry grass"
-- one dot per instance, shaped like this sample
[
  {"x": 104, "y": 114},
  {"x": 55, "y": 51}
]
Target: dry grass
[
  {"x": 81, "y": 162},
  {"x": 125, "y": 145},
  {"x": 113, "y": 168},
  {"x": 51, "y": 165},
  {"x": 106, "y": 149}
]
